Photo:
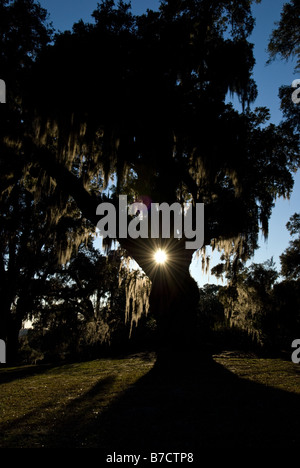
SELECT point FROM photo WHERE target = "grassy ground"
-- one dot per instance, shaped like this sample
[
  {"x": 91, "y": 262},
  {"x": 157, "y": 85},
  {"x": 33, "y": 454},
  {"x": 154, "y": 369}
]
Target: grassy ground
[{"x": 125, "y": 406}]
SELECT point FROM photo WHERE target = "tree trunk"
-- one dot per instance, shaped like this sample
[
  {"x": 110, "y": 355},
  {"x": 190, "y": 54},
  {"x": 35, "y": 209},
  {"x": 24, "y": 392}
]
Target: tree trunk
[
  {"x": 174, "y": 297},
  {"x": 173, "y": 301}
]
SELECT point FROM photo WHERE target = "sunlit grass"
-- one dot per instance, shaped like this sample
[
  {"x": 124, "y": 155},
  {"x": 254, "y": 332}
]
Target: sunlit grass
[
  {"x": 32, "y": 406},
  {"x": 275, "y": 373}
]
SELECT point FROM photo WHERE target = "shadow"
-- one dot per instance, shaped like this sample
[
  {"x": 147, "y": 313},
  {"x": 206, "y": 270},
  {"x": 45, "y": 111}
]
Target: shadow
[
  {"x": 22, "y": 372},
  {"x": 66, "y": 433},
  {"x": 175, "y": 411},
  {"x": 183, "y": 407},
  {"x": 73, "y": 429},
  {"x": 9, "y": 374}
]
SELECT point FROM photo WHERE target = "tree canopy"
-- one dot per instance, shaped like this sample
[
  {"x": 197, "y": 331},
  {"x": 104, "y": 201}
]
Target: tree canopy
[
  {"x": 285, "y": 38},
  {"x": 143, "y": 99},
  {"x": 284, "y": 43}
]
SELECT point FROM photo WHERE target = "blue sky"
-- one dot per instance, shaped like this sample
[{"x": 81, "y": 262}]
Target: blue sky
[{"x": 63, "y": 13}]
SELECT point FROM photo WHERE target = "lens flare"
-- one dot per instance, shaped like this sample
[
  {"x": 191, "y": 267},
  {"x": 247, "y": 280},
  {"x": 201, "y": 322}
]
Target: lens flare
[{"x": 160, "y": 256}]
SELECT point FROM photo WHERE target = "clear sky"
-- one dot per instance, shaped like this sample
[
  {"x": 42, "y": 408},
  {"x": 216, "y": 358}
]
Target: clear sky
[{"x": 63, "y": 13}]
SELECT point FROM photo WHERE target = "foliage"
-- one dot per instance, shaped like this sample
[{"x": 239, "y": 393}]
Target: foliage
[
  {"x": 253, "y": 299},
  {"x": 149, "y": 108},
  {"x": 249, "y": 296},
  {"x": 282, "y": 324},
  {"x": 257, "y": 301},
  {"x": 79, "y": 311},
  {"x": 284, "y": 42},
  {"x": 29, "y": 253},
  {"x": 24, "y": 33},
  {"x": 285, "y": 38},
  {"x": 290, "y": 259},
  {"x": 210, "y": 309}
]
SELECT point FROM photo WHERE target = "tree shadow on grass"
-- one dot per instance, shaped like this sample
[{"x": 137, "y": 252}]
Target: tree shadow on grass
[
  {"x": 47, "y": 427},
  {"x": 11, "y": 374},
  {"x": 184, "y": 409}
]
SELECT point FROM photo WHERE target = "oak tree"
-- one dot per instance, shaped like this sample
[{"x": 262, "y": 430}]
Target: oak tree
[{"x": 141, "y": 102}]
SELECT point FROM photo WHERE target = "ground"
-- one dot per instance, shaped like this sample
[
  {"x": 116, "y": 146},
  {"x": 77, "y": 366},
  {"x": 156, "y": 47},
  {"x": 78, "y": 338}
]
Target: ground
[{"x": 126, "y": 406}]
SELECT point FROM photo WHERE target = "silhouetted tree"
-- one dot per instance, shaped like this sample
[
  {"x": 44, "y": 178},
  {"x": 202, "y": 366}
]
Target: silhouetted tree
[
  {"x": 290, "y": 258},
  {"x": 248, "y": 298},
  {"x": 24, "y": 32},
  {"x": 285, "y": 38},
  {"x": 29, "y": 255},
  {"x": 282, "y": 324},
  {"x": 256, "y": 301},
  {"x": 143, "y": 99},
  {"x": 284, "y": 42},
  {"x": 78, "y": 309},
  {"x": 285, "y": 322},
  {"x": 211, "y": 310}
]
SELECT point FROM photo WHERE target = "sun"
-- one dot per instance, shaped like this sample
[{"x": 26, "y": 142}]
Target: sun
[{"x": 160, "y": 256}]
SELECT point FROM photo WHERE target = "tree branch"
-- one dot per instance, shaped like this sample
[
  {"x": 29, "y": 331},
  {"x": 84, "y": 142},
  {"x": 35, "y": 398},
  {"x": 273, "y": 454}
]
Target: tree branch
[{"x": 67, "y": 182}]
